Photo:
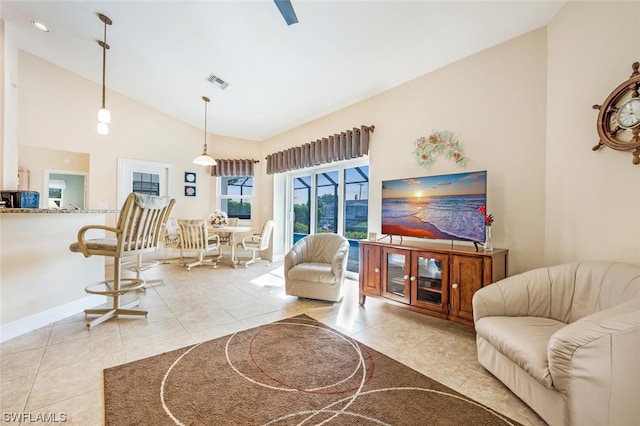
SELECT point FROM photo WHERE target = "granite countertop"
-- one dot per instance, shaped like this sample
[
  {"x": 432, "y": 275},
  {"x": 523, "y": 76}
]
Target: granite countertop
[{"x": 55, "y": 211}]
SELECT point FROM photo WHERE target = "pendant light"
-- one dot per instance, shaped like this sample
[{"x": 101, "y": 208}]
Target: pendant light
[
  {"x": 104, "y": 116},
  {"x": 205, "y": 159}
]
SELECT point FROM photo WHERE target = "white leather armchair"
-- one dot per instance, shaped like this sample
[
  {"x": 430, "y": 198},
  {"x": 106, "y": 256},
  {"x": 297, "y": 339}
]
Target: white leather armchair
[
  {"x": 315, "y": 267},
  {"x": 566, "y": 340}
]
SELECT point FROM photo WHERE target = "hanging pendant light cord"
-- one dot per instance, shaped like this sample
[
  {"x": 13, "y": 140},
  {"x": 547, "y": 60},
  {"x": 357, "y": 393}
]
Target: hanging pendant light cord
[
  {"x": 206, "y": 101},
  {"x": 107, "y": 21},
  {"x": 104, "y": 61}
]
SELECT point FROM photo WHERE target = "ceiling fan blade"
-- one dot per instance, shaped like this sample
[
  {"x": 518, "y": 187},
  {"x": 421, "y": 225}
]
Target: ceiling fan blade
[{"x": 287, "y": 12}]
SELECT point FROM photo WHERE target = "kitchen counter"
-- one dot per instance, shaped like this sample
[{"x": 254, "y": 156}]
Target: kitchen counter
[
  {"x": 32, "y": 211},
  {"x": 42, "y": 280}
]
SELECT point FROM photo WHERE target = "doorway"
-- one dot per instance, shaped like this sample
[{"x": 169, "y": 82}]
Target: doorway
[{"x": 63, "y": 189}]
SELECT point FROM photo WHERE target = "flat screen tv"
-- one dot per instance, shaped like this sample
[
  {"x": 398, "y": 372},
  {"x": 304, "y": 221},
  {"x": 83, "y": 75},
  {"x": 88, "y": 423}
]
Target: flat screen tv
[{"x": 439, "y": 207}]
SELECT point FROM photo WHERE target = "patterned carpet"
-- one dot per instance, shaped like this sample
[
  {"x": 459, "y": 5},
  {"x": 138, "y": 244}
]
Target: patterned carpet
[{"x": 294, "y": 371}]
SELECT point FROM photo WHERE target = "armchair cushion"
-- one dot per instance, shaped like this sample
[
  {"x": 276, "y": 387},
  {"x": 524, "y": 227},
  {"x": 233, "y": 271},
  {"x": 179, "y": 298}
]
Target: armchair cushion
[
  {"x": 523, "y": 340},
  {"x": 318, "y": 272}
]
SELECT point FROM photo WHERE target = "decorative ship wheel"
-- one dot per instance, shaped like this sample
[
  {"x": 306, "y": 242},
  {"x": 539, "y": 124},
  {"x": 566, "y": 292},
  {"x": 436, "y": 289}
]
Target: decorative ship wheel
[{"x": 619, "y": 118}]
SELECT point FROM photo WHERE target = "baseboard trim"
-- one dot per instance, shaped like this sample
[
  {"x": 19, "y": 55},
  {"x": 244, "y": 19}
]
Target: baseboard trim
[{"x": 36, "y": 321}]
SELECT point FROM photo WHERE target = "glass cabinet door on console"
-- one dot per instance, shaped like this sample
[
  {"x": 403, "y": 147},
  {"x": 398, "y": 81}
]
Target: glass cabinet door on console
[
  {"x": 395, "y": 273},
  {"x": 429, "y": 280}
]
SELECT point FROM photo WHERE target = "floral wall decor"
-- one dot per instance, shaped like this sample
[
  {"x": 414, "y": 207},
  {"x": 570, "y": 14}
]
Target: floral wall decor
[{"x": 426, "y": 150}]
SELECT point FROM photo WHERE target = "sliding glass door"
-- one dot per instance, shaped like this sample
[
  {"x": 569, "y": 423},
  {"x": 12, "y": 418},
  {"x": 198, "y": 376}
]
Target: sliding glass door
[
  {"x": 331, "y": 199},
  {"x": 301, "y": 207},
  {"x": 327, "y": 202}
]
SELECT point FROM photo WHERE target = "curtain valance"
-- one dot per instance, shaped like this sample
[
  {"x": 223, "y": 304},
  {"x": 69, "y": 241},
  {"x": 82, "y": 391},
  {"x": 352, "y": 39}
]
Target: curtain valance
[
  {"x": 344, "y": 146},
  {"x": 233, "y": 168}
]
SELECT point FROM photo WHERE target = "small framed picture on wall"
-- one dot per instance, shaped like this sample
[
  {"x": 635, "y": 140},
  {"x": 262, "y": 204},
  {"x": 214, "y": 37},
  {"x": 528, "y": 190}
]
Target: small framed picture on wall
[
  {"x": 189, "y": 191},
  {"x": 190, "y": 177}
]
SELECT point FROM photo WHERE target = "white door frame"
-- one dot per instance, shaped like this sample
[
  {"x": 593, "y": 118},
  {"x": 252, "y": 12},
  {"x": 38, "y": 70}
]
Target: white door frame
[{"x": 127, "y": 166}]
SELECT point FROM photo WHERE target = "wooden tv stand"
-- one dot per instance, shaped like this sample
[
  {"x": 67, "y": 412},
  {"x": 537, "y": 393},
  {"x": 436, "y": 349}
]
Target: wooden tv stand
[{"x": 434, "y": 280}]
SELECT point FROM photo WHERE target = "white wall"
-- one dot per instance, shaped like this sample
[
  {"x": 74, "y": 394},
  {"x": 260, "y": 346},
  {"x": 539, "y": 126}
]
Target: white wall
[
  {"x": 592, "y": 198},
  {"x": 8, "y": 111}
]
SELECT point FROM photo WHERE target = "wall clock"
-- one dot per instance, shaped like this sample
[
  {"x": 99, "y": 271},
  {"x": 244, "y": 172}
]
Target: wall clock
[{"x": 619, "y": 117}]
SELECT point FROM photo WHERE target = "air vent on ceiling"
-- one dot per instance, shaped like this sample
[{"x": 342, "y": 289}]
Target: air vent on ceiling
[{"x": 217, "y": 81}]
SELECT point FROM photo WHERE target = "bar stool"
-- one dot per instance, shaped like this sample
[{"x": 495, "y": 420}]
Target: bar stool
[{"x": 140, "y": 225}]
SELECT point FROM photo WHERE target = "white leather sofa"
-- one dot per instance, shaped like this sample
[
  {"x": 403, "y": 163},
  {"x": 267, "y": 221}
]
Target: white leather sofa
[
  {"x": 315, "y": 267},
  {"x": 566, "y": 340}
]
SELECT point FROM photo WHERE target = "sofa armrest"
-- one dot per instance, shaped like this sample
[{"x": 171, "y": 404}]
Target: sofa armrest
[
  {"x": 596, "y": 342},
  {"x": 292, "y": 258},
  {"x": 339, "y": 261}
]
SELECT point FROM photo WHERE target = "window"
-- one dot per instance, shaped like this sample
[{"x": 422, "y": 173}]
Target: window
[
  {"x": 236, "y": 193},
  {"x": 356, "y": 202},
  {"x": 146, "y": 183},
  {"x": 55, "y": 195},
  {"x": 56, "y": 191}
]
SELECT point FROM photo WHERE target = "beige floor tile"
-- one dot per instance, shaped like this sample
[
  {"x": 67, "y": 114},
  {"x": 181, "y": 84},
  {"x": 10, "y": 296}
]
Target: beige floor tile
[
  {"x": 20, "y": 364},
  {"x": 197, "y": 320},
  {"x": 249, "y": 308},
  {"x": 34, "y": 339},
  {"x": 82, "y": 410},
  {"x": 218, "y": 331},
  {"x": 264, "y": 319},
  {"x": 68, "y": 331},
  {"x": 158, "y": 347},
  {"x": 59, "y": 384},
  {"x": 343, "y": 322},
  {"x": 14, "y": 394},
  {"x": 138, "y": 332},
  {"x": 488, "y": 390},
  {"x": 93, "y": 347}
]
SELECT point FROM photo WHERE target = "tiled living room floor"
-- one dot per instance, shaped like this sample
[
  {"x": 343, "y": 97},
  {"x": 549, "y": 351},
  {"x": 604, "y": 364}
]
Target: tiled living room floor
[{"x": 58, "y": 368}]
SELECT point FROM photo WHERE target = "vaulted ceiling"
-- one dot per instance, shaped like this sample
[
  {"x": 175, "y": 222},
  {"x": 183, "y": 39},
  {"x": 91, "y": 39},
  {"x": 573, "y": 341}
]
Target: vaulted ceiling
[{"x": 279, "y": 76}]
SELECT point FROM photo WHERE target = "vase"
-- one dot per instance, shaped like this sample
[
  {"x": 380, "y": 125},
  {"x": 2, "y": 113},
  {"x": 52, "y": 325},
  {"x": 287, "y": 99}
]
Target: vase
[{"x": 488, "y": 245}]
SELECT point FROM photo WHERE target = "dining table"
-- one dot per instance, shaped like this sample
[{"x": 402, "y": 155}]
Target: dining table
[{"x": 232, "y": 231}]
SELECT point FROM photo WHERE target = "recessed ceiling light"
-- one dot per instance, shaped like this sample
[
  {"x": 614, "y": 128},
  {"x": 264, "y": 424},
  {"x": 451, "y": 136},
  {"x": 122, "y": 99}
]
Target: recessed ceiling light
[{"x": 40, "y": 26}]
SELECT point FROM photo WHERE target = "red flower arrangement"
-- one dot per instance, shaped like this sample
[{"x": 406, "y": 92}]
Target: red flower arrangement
[{"x": 488, "y": 218}]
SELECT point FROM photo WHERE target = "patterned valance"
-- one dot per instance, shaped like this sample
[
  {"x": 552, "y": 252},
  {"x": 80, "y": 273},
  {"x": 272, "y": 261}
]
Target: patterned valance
[
  {"x": 344, "y": 146},
  {"x": 233, "y": 168}
]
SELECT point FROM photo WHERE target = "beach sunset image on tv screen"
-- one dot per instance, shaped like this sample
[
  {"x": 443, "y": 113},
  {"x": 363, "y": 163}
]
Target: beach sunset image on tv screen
[{"x": 441, "y": 207}]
